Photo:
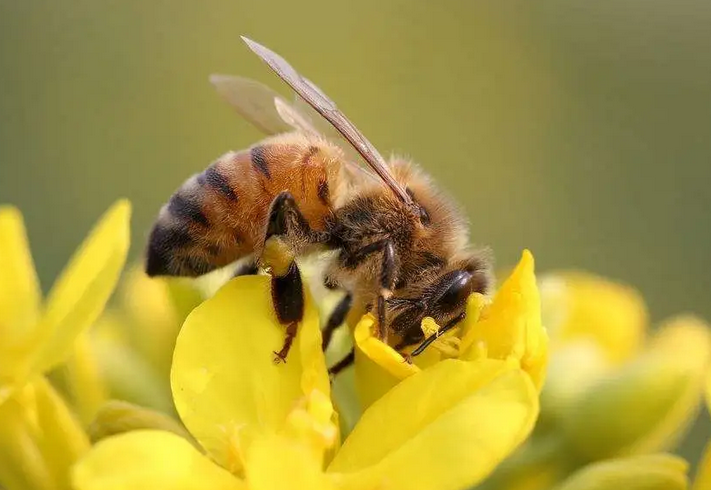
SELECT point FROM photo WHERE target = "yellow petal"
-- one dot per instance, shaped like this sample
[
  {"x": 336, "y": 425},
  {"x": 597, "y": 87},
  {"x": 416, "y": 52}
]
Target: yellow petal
[
  {"x": 646, "y": 472},
  {"x": 578, "y": 305},
  {"x": 126, "y": 373},
  {"x": 378, "y": 367},
  {"x": 278, "y": 462},
  {"x": 79, "y": 295},
  {"x": 454, "y": 421},
  {"x": 83, "y": 378},
  {"x": 19, "y": 294},
  {"x": 225, "y": 383},
  {"x": 155, "y": 309},
  {"x": 62, "y": 440},
  {"x": 149, "y": 460},
  {"x": 39, "y": 439},
  {"x": 571, "y": 371},
  {"x": 313, "y": 423},
  {"x": 647, "y": 405},
  {"x": 511, "y": 326},
  {"x": 22, "y": 465},
  {"x": 703, "y": 472}
]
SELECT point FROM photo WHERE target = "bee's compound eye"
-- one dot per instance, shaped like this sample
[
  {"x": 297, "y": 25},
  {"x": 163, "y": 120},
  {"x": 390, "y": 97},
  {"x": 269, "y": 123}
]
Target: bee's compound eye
[
  {"x": 459, "y": 287},
  {"x": 424, "y": 216}
]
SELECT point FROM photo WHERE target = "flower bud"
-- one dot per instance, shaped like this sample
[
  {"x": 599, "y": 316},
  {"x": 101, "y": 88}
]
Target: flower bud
[
  {"x": 647, "y": 404},
  {"x": 579, "y": 306}
]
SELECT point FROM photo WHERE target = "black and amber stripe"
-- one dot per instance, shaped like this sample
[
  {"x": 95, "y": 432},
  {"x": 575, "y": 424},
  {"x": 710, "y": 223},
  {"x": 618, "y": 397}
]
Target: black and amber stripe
[
  {"x": 214, "y": 179},
  {"x": 186, "y": 208},
  {"x": 260, "y": 162}
]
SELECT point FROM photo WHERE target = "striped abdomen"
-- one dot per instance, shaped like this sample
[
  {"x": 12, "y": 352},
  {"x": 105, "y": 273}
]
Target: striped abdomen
[{"x": 220, "y": 215}]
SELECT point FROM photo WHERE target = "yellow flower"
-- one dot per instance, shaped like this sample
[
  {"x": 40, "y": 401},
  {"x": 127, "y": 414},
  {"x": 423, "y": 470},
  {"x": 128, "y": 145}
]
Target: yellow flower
[
  {"x": 580, "y": 307},
  {"x": 509, "y": 329},
  {"x": 39, "y": 436},
  {"x": 646, "y": 405},
  {"x": 595, "y": 325},
  {"x": 39, "y": 439},
  {"x": 601, "y": 368},
  {"x": 609, "y": 393},
  {"x": 266, "y": 426},
  {"x": 132, "y": 342},
  {"x": 153, "y": 309},
  {"x": 38, "y": 337}
]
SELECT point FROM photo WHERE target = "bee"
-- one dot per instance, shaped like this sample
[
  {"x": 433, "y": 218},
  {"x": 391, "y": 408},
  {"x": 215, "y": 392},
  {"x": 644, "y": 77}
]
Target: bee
[{"x": 392, "y": 241}]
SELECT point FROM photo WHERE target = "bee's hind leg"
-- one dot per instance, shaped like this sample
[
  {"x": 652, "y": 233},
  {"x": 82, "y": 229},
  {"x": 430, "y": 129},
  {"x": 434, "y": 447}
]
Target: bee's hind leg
[
  {"x": 278, "y": 256},
  {"x": 342, "y": 364}
]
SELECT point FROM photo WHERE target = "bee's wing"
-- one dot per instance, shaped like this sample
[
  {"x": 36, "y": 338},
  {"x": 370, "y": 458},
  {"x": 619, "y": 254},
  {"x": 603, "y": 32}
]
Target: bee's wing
[
  {"x": 260, "y": 105},
  {"x": 269, "y": 112},
  {"x": 327, "y": 108}
]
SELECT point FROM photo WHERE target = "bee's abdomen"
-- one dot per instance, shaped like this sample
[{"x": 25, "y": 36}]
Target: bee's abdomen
[{"x": 220, "y": 215}]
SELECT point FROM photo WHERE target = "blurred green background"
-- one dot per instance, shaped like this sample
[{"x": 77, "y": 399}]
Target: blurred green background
[{"x": 580, "y": 130}]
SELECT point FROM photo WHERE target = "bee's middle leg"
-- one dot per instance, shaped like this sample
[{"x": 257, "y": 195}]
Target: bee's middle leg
[
  {"x": 278, "y": 256},
  {"x": 336, "y": 319}
]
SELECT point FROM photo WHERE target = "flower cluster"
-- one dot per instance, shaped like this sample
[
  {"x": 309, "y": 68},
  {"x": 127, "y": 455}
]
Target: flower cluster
[
  {"x": 40, "y": 438},
  {"x": 173, "y": 386},
  {"x": 616, "y": 395}
]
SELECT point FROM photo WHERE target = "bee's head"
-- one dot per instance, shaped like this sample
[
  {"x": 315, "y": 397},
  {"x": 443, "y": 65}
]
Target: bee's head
[{"x": 441, "y": 295}]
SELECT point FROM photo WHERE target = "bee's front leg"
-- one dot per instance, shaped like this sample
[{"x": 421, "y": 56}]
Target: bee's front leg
[
  {"x": 442, "y": 330},
  {"x": 387, "y": 276},
  {"x": 278, "y": 257}
]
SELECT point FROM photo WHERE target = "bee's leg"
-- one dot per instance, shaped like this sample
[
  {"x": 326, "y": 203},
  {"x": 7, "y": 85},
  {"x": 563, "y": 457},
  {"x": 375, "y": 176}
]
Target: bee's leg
[
  {"x": 288, "y": 298},
  {"x": 336, "y": 319},
  {"x": 448, "y": 326},
  {"x": 387, "y": 276},
  {"x": 287, "y": 288},
  {"x": 342, "y": 364}
]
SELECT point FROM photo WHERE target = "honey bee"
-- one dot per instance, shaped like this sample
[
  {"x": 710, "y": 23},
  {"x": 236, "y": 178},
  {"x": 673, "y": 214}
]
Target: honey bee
[{"x": 398, "y": 245}]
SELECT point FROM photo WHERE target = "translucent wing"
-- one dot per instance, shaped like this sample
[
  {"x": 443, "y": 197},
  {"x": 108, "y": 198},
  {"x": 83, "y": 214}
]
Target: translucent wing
[
  {"x": 269, "y": 112},
  {"x": 327, "y": 108},
  {"x": 260, "y": 105}
]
